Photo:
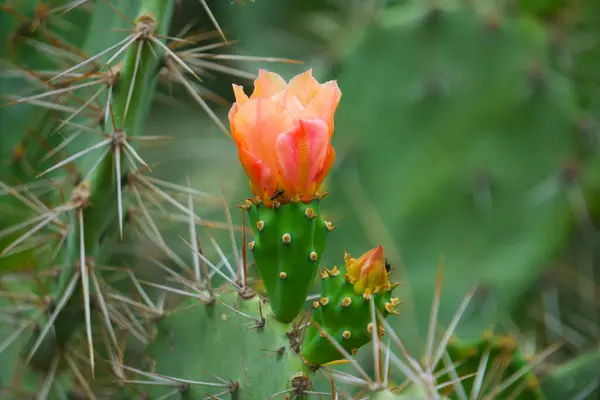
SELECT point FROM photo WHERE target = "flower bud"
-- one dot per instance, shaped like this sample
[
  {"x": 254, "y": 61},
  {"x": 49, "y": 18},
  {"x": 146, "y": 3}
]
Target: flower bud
[{"x": 367, "y": 273}]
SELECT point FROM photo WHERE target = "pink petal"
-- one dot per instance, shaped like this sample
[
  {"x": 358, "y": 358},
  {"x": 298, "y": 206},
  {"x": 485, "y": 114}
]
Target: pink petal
[
  {"x": 301, "y": 152},
  {"x": 325, "y": 168}
]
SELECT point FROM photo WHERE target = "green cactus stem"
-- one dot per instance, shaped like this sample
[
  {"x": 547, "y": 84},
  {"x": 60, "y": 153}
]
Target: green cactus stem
[
  {"x": 288, "y": 244},
  {"x": 344, "y": 316},
  {"x": 98, "y": 197}
]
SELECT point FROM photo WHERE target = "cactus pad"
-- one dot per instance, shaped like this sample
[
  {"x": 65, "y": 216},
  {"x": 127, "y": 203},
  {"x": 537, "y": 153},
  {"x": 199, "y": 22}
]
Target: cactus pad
[
  {"x": 344, "y": 315},
  {"x": 289, "y": 241},
  {"x": 503, "y": 361},
  {"x": 256, "y": 357}
]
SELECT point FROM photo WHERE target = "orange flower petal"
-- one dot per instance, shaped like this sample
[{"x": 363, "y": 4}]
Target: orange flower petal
[
  {"x": 261, "y": 177},
  {"x": 301, "y": 152},
  {"x": 237, "y": 135},
  {"x": 267, "y": 84},
  {"x": 304, "y": 87},
  {"x": 240, "y": 96},
  {"x": 324, "y": 104},
  {"x": 291, "y": 103},
  {"x": 256, "y": 125}
]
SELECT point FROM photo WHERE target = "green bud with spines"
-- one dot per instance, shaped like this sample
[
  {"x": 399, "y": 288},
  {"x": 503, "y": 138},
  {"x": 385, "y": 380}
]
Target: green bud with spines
[
  {"x": 344, "y": 310},
  {"x": 288, "y": 243}
]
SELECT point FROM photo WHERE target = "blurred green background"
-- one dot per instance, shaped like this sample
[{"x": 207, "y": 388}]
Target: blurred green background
[{"x": 467, "y": 132}]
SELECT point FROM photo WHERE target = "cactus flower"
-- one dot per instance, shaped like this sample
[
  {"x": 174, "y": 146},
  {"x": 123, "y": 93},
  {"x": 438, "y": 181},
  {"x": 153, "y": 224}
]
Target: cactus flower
[
  {"x": 367, "y": 273},
  {"x": 283, "y": 135}
]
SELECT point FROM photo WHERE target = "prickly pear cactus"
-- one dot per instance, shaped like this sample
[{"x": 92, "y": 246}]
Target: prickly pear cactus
[
  {"x": 462, "y": 102},
  {"x": 491, "y": 366},
  {"x": 346, "y": 312},
  {"x": 244, "y": 335},
  {"x": 576, "y": 378},
  {"x": 247, "y": 333},
  {"x": 413, "y": 393},
  {"x": 27, "y": 33},
  {"x": 288, "y": 243}
]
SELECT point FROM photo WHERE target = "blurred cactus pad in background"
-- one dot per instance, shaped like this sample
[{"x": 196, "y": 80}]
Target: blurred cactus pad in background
[{"x": 269, "y": 199}]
